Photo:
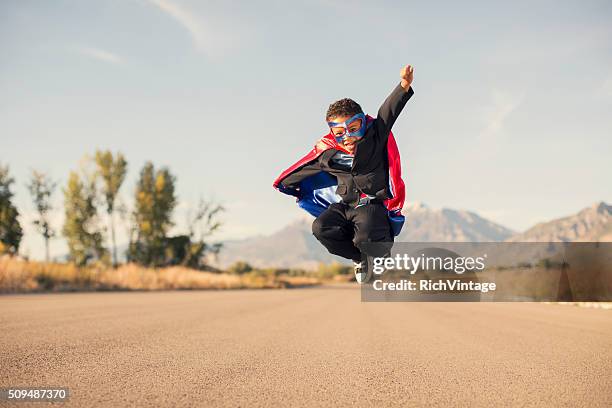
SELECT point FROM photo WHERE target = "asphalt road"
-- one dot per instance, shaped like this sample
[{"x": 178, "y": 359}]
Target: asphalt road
[{"x": 305, "y": 347}]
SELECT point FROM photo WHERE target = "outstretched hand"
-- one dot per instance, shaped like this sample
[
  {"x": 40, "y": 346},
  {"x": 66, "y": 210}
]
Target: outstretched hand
[{"x": 407, "y": 75}]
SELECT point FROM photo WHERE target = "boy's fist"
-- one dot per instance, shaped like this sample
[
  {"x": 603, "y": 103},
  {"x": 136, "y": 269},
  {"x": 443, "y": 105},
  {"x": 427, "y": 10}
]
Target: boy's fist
[{"x": 407, "y": 75}]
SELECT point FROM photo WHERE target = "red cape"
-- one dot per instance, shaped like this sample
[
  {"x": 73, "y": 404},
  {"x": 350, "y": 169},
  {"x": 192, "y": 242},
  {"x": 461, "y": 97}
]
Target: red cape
[{"x": 328, "y": 141}]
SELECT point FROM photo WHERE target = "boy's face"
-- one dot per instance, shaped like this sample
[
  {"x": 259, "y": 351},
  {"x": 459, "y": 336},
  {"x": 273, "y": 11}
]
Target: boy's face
[{"x": 348, "y": 142}]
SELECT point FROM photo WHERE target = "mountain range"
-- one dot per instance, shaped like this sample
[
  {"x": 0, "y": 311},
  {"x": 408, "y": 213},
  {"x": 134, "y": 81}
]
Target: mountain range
[
  {"x": 295, "y": 246},
  {"x": 591, "y": 224}
]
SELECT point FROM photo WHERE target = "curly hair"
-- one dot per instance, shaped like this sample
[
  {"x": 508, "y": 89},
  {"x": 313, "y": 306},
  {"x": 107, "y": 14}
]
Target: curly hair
[{"x": 343, "y": 107}]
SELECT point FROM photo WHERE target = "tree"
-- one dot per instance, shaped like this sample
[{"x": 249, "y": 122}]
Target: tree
[
  {"x": 41, "y": 189},
  {"x": 203, "y": 223},
  {"x": 154, "y": 204},
  {"x": 240, "y": 267},
  {"x": 112, "y": 170},
  {"x": 10, "y": 229},
  {"x": 189, "y": 250},
  {"x": 85, "y": 241}
]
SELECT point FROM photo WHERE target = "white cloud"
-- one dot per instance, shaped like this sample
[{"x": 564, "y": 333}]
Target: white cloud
[
  {"x": 213, "y": 32},
  {"x": 186, "y": 18},
  {"x": 100, "y": 55},
  {"x": 504, "y": 103}
]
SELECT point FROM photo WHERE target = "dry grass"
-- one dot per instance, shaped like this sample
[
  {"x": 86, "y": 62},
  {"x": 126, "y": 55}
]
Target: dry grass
[{"x": 20, "y": 276}]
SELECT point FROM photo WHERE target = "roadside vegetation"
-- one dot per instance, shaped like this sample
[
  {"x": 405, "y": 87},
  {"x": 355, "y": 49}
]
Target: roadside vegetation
[
  {"x": 158, "y": 254},
  {"x": 94, "y": 209},
  {"x": 22, "y": 276},
  {"x": 332, "y": 272}
]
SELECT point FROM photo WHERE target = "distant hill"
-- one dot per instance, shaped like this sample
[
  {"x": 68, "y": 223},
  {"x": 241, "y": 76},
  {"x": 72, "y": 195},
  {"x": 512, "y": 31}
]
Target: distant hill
[
  {"x": 424, "y": 224},
  {"x": 591, "y": 224},
  {"x": 292, "y": 246},
  {"x": 295, "y": 246}
]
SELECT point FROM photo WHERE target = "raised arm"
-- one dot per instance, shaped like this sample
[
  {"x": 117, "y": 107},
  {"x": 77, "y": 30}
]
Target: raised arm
[{"x": 395, "y": 102}]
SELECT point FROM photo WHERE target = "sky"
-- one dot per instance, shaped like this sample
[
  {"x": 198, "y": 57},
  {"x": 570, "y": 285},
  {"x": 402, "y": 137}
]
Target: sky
[{"x": 511, "y": 117}]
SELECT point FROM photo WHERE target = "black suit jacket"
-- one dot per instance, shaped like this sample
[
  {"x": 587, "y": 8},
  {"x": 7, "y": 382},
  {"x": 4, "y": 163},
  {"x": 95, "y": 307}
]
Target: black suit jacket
[{"x": 369, "y": 173}]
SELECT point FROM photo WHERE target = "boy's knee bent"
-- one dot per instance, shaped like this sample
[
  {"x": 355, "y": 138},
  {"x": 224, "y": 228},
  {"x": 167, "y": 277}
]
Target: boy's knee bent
[
  {"x": 320, "y": 228},
  {"x": 317, "y": 227},
  {"x": 323, "y": 230}
]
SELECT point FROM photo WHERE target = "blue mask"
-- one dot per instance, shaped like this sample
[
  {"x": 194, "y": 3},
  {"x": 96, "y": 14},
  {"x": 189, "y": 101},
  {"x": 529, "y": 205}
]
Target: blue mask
[{"x": 358, "y": 133}]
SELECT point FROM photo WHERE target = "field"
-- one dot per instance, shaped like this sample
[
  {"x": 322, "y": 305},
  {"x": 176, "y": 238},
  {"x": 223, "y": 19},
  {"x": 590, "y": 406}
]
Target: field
[{"x": 22, "y": 276}]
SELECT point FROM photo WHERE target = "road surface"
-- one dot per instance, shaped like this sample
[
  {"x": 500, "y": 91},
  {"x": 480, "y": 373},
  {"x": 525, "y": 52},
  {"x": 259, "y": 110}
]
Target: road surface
[{"x": 305, "y": 347}]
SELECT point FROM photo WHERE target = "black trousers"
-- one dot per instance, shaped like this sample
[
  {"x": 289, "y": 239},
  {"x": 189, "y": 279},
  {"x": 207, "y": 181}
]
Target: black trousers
[{"x": 342, "y": 229}]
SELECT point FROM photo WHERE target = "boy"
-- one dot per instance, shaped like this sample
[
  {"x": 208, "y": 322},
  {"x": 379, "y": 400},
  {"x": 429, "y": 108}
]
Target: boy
[{"x": 351, "y": 180}]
